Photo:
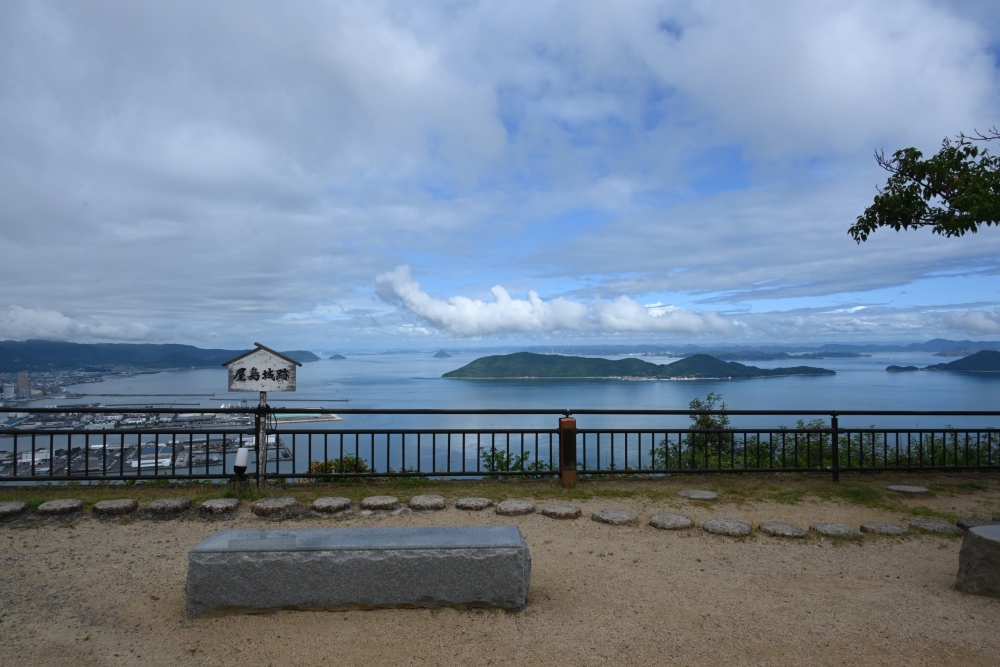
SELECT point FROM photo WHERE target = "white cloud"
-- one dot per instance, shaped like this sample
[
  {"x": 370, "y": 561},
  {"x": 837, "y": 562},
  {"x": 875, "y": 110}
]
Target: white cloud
[
  {"x": 24, "y": 323},
  {"x": 975, "y": 322},
  {"x": 227, "y": 167},
  {"x": 462, "y": 316}
]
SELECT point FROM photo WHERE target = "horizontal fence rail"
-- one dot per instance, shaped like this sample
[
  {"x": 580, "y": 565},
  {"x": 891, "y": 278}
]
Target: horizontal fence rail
[{"x": 56, "y": 450}]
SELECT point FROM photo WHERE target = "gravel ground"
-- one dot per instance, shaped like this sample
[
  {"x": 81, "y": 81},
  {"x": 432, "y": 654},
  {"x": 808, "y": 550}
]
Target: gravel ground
[{"x": 112, "y": 593}]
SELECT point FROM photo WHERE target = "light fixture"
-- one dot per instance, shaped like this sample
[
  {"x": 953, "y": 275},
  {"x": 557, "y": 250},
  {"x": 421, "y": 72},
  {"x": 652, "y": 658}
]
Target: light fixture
[{"x": 240, "y": 466}]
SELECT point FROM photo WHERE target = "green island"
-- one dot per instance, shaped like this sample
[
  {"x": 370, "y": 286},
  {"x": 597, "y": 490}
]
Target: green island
[
  {"x": 984, "y": 361},
  {"x": 528, "y": 365}
]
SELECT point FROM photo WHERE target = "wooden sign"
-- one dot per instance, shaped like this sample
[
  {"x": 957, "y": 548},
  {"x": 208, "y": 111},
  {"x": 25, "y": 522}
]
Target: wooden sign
[{"x": 262, "y": 369}]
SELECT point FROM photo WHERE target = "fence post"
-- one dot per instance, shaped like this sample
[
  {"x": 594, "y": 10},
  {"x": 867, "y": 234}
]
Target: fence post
[
  {"x": 567, "y": 451},
  {"x": 835, "y": 446},
  {"x": 260, "y": 441}
]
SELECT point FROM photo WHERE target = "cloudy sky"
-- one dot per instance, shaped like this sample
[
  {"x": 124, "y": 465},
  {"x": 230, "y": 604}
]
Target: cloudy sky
[{"x": 341, "y": 175}]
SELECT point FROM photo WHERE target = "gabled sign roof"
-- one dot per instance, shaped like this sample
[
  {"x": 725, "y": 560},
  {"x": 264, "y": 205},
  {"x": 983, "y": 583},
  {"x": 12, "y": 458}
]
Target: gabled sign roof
[{"x": 262, "y": 347}]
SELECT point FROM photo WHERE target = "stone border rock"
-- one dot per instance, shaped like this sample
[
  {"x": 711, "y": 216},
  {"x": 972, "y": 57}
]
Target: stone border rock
[
  {"x": 427, "y": 503},
  {"x": 671, "y": 521},
  {"x": 12, "y": 508},
  {"x": 167, "y": 507},
  {"x": 884, "y": 528},
  {"x": 270, "y": 507},
  {"x": 331, "y": 505},
  {"x": 380, "y": 503},
  {"x": 515, "y": 508},
  {"x": 781, "y": 529},
  {"x": 936, "y": 527},
  {"x": 64, "y": 506},
  {"x": 115, "y": 507},
  {"x": 473, "y": 504},
  {"x": 615, "y": 517},
  {"x": 725, "y": 526},
  {"x": 219, "y": 506},
  {"x": 835, "y": 530},
  {"x": 561, "y": 511},
  {"x": 698, "y": 494},
  {"x": 910, "y": 489}
]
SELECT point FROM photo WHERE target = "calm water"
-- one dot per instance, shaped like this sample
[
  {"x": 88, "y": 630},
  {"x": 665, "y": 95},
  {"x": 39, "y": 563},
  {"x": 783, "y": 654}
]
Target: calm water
[{"x": 414, "y": 381}]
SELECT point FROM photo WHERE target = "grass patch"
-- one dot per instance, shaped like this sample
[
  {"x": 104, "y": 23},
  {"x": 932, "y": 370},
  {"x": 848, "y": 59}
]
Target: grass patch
[
  {"x": 787, "y": 496},
  {"x": 928, "y": 513},
  {"x": 855, "y": 492},
  {"x": 613, "y": 493}
]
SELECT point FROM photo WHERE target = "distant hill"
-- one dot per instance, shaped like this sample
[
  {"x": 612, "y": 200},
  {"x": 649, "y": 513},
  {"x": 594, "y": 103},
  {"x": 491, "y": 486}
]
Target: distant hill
[
  {"x": 772, "y": 356},
  {"x": 336, "y": 357},
  {"x": 13, "y": 362},
  {"x": 957, "y": 353},
  {"x": 529, "y": 365},
  {"x": 831, "y": 355},
  {"x": 984, "y": 361},
  {"x": 42, "y": 355},
  {"x": 441, "y": 354},
  {"x": 751, "y": 356},
  {"x": 301, "y": 355},
  {"x": 37, "y": 355}
]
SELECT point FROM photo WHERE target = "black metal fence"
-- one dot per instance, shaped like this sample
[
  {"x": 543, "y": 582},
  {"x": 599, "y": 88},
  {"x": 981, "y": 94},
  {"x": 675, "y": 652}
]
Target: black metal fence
[{"x": 54, "y": 445}]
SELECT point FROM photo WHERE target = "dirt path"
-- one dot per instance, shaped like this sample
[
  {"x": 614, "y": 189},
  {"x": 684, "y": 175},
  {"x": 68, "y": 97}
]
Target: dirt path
[{"x": 113, "y": 593}]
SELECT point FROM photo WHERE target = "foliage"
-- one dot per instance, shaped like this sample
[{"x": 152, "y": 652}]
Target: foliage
[
  {"x": 713, "y": 443},
  {"x": 953, "y": 192},
  {"x": 698, "y": 449},
  {"x": 501, "y": 460},
  {"x": 348, "y": 464}
]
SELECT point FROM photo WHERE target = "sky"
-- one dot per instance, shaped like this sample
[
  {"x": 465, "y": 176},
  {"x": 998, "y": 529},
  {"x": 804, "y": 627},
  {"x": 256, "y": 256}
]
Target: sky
[{"x": 344, "y": 176}]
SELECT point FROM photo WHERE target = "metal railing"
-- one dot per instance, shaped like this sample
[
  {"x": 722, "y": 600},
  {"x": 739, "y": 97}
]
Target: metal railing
[{"x": 62, "y": 449}]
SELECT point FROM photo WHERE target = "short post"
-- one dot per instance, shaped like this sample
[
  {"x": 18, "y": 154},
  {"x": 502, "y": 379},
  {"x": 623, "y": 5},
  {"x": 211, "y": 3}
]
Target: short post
[
  {"x": 835, "y": 446},
  {"x": 260, "y": 442},
  {"x": 567, "y": 451}
]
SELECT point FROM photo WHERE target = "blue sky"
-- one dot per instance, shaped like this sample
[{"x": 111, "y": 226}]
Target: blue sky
[{"x": 370, "y": 175}]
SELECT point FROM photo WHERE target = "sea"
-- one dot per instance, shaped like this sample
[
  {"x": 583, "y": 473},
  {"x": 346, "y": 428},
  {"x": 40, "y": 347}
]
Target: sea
[{"x": 413, "y": 380}]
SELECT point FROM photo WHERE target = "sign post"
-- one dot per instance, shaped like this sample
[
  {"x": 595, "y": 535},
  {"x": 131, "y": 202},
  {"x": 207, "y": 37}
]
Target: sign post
[{"x": 261, "y": 370}]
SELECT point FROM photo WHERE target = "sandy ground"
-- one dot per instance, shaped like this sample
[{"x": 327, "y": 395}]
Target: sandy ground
[{"x": 112, "y": 593}]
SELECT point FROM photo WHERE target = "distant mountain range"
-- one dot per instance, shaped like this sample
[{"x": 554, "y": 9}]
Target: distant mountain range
[
  {"x": 43, "y": 355},
  {"x": 984, "y": 361},
  {"x": 735, "y": 352},
  {"x": 528, "y": 365},
  {"x": 772, "y": 356}
]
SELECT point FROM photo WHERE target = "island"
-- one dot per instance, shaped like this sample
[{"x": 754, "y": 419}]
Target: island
[
  {"x": 528, "y": 365},
  {"x": 442, "y": 355},
  {"x": 901, "y": 369},
  {"x": 301, "y": 355},
  {"x": 336, "y": 357},
  {"x": 984, "y": 361}
]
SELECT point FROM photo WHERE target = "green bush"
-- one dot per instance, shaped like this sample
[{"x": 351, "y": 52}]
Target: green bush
[{"x": 348, "y": 464}]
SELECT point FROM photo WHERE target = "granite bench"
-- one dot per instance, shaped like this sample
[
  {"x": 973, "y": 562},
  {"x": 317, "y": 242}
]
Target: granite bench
[
  {"x": 979, "y": 562},
  {"x": 257, "y": 571}
]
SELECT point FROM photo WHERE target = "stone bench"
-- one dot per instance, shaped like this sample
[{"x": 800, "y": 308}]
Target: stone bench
[
  {"x": 979, "y": 562},
  {"x": 254, "y": 571}
]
